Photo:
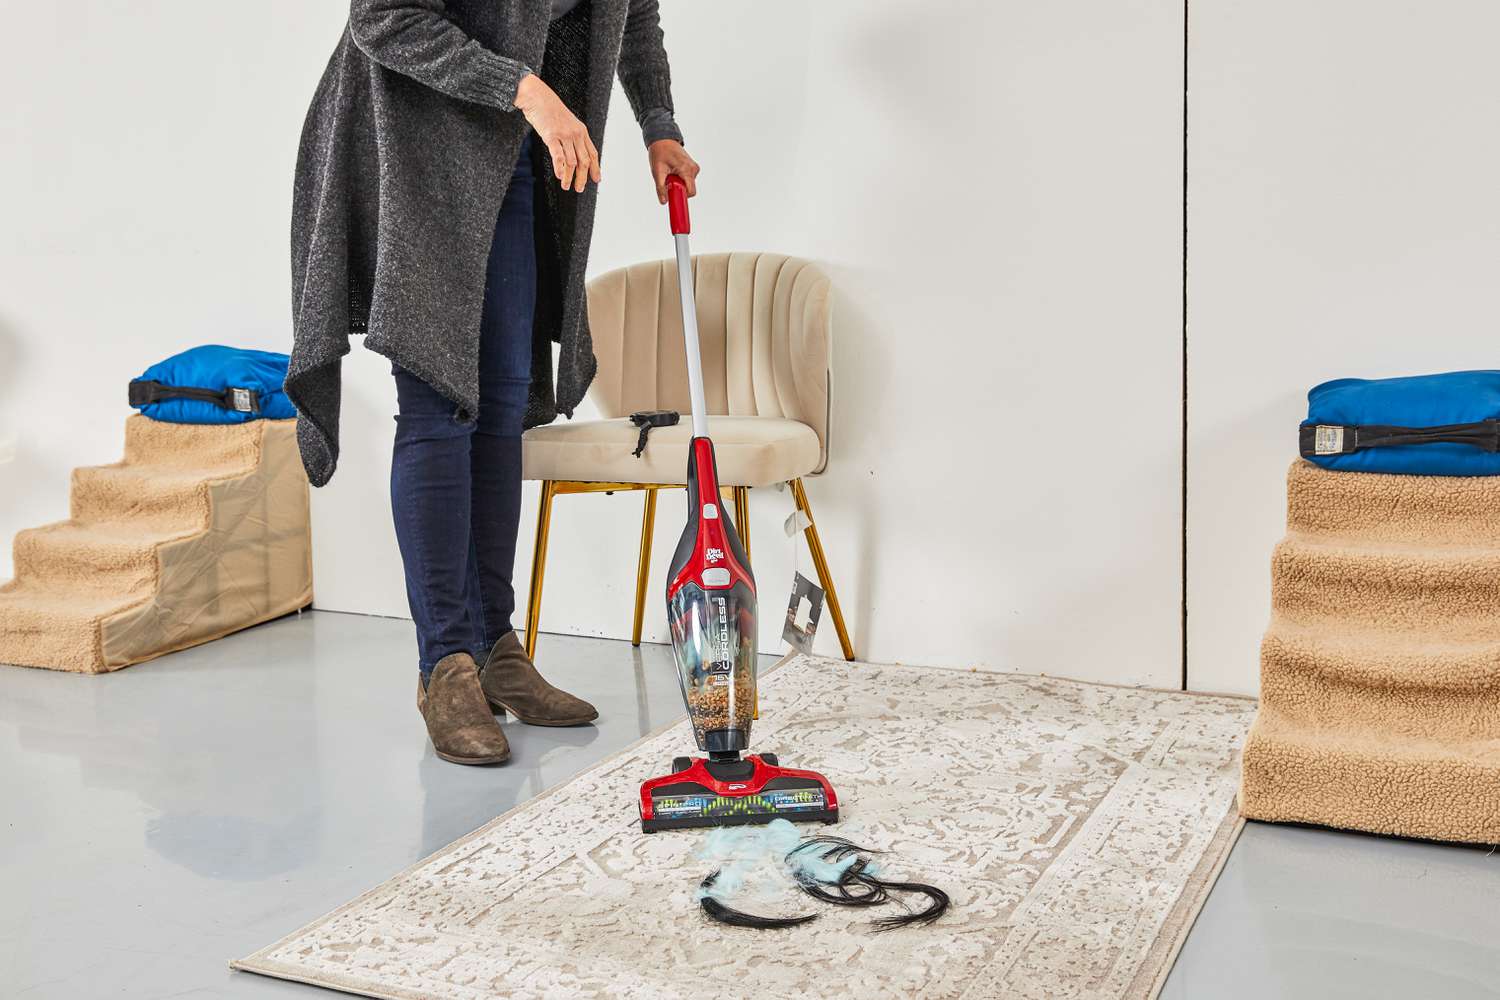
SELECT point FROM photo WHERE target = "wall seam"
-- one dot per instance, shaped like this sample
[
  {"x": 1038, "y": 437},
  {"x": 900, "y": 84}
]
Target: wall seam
[{"x": 1184, "y": 446}]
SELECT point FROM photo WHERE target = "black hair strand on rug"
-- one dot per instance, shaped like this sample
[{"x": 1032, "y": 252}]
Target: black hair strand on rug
[
  {"x": 716, "y": 910},
  {"x": 913, "y": 918},
  {"x": 855, "y": 885}
]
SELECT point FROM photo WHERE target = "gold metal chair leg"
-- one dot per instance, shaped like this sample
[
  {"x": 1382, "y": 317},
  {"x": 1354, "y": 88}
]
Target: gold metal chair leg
[
  {"x": 539, "y": 565},
  {"x": 643, "y": 568},
  {"x": 825, "y": 579},
  {"x": 742, "y": 516}
]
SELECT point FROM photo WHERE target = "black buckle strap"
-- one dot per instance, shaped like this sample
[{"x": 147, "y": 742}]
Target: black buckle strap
[
  {"x": 1335, "y": 439},
  {"x": 144, "y": 392},
  {"x": 647, "y": 419}
]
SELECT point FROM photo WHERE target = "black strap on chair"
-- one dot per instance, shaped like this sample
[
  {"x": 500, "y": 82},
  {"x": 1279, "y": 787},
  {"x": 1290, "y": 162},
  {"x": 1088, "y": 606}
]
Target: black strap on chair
[
  {"x": 647, "y": 419},
  {"x": 1338, "y": 439},
  {"x": 144, "y": 392}
]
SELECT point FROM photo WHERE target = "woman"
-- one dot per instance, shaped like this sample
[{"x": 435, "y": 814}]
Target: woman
[{"x": 443, "y": 205}]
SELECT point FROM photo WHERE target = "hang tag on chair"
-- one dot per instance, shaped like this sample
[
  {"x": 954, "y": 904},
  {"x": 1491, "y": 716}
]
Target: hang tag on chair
[{"x": 802, "y": 614}]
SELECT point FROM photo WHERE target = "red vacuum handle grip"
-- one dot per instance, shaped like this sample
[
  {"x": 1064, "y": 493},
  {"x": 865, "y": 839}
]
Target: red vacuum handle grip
[{"x": 677, "y": 205}]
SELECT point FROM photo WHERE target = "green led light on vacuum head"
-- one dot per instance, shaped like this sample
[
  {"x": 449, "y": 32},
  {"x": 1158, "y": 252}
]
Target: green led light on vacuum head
[{"x": 709, "y": 805}]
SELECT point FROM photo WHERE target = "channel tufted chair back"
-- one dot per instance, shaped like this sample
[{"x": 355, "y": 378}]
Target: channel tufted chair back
[
  {"x": 765, "y": 333},
  {"x": 764, "y": 323}
]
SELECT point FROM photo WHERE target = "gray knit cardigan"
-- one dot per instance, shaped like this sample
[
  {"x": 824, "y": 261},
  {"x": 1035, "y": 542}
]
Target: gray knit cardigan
[{"x": 405, "y": 157}]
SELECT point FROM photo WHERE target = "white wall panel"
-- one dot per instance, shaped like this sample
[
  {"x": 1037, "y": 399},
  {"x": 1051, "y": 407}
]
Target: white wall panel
[{"x": 1344, "y": 220}]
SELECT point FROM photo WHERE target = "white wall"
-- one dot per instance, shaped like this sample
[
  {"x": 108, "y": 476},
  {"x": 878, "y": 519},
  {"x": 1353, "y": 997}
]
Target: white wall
[
  {"x": 1344, "y": 220},
  {"x": 146, "y": 151},
  {"x": 995, "y": 189},
  {"x": 999, "y": 207}
]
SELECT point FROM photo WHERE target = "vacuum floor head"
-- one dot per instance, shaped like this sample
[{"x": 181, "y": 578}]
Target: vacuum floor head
[{"x": 755, "y": 789}]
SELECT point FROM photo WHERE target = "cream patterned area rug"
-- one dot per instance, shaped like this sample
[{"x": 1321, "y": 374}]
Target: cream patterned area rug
[{"x": 1077, "y": 828}]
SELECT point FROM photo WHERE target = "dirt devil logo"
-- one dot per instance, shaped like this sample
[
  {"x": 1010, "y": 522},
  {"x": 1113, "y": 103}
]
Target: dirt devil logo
[{"x": 714, "y": 555}]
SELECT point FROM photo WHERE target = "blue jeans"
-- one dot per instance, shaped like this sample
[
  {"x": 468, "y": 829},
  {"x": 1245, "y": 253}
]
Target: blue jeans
[{"x": 455, "y": 484}]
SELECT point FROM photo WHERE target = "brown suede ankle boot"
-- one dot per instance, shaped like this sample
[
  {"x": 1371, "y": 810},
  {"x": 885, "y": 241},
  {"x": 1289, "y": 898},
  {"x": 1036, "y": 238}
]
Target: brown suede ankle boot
[
  {"x": 512, "y": 684},
  {"x": 459, "y": 722}
]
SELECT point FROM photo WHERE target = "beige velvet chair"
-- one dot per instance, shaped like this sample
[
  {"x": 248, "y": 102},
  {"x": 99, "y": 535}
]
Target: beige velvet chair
[{"x": 765, "y": 328}]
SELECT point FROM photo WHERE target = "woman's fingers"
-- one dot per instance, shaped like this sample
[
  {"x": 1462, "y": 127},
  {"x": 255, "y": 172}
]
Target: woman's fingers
[
  {"x": 667, "y": 157},
  {"x": 570, "y": 153},
  {"x": 570, "y": 164},
  {"x": 584, "y": 168},
  {"x": 559, "y": 160},
  {"x": 595, "y": 169},
  {"x": 571, "y": 183},
  {"x": 575, "y": 159},
  {"x": 688, "y": 173}
]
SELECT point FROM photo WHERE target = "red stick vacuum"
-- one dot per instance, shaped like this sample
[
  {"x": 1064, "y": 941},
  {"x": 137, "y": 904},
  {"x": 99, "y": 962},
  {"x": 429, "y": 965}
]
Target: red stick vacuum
[{"x": 712, "y": 613}]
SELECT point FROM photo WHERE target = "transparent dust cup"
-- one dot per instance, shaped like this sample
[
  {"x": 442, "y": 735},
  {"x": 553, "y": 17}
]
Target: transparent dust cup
[{"x": 713, "y": 637}]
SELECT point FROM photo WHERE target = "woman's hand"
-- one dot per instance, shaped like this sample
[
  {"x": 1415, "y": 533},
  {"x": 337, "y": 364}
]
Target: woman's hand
[
  {"x": 575, "y": 161},
  {"x": 668, "y": 157}
]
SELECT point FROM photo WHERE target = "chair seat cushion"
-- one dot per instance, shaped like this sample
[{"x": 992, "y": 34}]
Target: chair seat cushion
[{"x": 751, "y": 451}]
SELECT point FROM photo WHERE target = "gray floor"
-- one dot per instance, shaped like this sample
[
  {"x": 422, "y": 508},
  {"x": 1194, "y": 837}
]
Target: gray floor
[
  {"x": 158, "y": 822},
  {"x": 1299, "y": 912}
]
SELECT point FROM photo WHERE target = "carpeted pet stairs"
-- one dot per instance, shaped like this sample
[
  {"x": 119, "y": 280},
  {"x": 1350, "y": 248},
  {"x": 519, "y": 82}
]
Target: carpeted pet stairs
[
  {"x": 199, "y": 532},
  {"x": 1380, "y": 674}
]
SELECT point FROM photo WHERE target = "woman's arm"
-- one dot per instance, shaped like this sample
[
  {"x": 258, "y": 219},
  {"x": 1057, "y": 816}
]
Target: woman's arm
[
  {"x": 416, "y": 38},
  {"x": 645, "y": 74},
  {"x": 647, "y": 79}
]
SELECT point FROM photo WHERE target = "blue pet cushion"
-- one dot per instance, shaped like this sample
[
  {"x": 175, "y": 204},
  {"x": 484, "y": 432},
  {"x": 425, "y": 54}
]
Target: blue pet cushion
[
  {"x": 1424, "y": 425},
  {"x": 214, "y": 385}
]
